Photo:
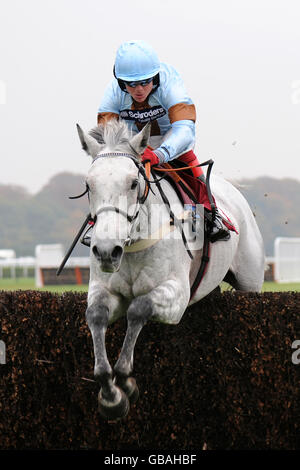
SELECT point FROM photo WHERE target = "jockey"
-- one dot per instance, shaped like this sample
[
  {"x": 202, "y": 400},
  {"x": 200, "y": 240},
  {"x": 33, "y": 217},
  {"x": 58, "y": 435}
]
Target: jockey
[{"x": 144, "y": 89}]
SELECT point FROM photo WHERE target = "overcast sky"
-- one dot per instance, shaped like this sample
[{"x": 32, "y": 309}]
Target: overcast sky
[{"x": 240, "y": 60}]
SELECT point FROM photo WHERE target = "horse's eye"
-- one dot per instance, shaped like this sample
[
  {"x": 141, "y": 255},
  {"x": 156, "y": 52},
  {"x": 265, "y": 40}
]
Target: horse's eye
[{"x": 134, "y": 184}]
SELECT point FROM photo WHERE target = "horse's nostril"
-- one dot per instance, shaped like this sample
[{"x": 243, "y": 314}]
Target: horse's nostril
[
  {"x": 96, "y": 252},
  {"x": 106, "y": 255},
  {"x": 116, "y": 253}
]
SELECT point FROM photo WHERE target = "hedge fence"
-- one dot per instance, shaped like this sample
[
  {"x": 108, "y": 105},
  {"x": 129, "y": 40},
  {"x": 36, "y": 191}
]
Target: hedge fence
[{"x": 222, "y": 379}]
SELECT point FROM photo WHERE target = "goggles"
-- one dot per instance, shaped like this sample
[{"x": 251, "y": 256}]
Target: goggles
[{"x": 139, "y": 82}]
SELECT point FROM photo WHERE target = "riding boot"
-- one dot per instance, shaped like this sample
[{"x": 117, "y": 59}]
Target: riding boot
[
  {"x": 218, "y": 231},
  {"x": 190, "y": 159}
]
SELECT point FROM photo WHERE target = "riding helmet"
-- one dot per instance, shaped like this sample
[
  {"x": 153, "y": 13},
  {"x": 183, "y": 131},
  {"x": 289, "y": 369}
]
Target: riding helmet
[{"x": 136, "y": 60}]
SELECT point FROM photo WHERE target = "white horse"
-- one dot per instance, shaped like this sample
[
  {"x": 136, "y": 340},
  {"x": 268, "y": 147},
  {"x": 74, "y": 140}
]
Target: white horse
[{"x": 149, "y": 278}]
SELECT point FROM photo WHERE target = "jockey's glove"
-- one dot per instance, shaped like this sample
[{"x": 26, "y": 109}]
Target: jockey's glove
[{"x": 150, "y": 156}]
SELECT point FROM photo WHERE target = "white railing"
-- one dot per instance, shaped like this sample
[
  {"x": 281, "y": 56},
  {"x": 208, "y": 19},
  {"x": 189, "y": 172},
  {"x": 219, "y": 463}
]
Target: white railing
[
  {"x": 12, "y": 264},
  {"x": 80, "y": 261},
  {"x": 25, "y": 263},
  {"x": 287, "y": 259}
]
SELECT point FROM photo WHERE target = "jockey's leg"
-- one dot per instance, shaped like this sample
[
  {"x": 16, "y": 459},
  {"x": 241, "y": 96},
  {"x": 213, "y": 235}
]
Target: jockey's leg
[
  {"x": 190, "y": 159},
  {"x": 219, "y": 231}
]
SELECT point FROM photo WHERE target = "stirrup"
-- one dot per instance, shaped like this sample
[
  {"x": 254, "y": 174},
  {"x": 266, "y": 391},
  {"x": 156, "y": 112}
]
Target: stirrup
[{"x": 218, "y": 230}]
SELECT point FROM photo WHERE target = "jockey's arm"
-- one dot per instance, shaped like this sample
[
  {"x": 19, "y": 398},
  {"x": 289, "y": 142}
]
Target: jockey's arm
[
  {"x": 182, "y": 115},
  {"x": 179, "y": 139}
]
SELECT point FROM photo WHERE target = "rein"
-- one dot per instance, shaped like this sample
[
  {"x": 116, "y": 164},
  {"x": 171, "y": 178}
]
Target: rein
[
  {"x": 146, "y": 173},
  {"x": 182, "y": 168},
  {"x": 208, "y": 163}
]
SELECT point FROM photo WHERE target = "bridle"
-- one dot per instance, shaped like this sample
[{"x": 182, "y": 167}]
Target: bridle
[{"x": 144, "y": 171}]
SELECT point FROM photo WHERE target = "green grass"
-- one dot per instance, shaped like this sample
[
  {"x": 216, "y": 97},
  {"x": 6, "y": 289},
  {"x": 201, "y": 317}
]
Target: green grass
[
  {"x": 29, "y": 284},
  {"x": 275, "y": 287},
  {"x": 272, "y": 287}
]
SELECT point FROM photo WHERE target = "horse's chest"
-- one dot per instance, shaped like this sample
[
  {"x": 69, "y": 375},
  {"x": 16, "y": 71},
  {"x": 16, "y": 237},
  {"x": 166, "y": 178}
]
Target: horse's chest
[
  {"x": 120, "y": 285},
  {"x": 131, "y": 283}
]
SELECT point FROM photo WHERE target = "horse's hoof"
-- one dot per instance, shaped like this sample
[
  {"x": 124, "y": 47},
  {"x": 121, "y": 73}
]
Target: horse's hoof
[
  {"x": 113, "y": 410},
  {"x": 132, "y": 390},
  {"x": 129, "y": 386}
]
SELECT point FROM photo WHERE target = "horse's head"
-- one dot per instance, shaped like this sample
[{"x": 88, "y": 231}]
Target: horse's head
[{"x": 115, "y": 187}]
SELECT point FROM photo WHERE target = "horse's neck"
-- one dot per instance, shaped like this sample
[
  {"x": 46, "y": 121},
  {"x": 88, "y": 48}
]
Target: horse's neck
[
  {"x": 168, "y": 191},
  {"x": 158, "y": 210}
]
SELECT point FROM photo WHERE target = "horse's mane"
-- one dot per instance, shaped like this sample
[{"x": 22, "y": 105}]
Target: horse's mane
[{"x": 115, "y": 134}]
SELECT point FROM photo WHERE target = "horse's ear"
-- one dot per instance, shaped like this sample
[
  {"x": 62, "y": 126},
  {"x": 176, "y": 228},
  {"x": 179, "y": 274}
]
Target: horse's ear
[
  {"x": 89, "y": 144},
  {"x": 140, "y": 141}
]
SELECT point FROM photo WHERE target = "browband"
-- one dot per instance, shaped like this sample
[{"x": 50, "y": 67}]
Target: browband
[{"x": 116, "y": 154}]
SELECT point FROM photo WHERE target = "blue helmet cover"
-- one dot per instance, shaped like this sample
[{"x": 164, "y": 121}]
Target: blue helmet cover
[{"x": 136, "y": 60}]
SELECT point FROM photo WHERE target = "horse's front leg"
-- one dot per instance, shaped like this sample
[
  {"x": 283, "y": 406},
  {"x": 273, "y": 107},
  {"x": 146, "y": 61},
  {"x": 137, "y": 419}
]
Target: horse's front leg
[
  {"x": 139, "y": 312},
  {"x": 113, "y": 402},
  {"x": 167, "y": 303}
]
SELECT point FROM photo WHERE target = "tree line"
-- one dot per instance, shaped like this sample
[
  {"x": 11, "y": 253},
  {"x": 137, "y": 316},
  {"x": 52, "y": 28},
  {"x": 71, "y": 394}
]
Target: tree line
[{"x": 50, "y": 217}]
